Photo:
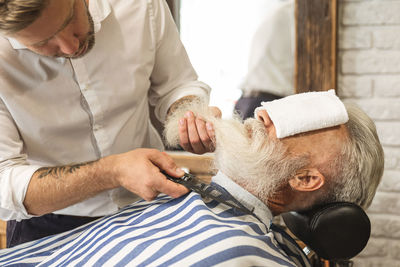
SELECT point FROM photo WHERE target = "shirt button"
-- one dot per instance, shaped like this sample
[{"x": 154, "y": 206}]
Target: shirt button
[
  {"x": 96, "y": 128},
  {"x": 83, "y": 87}
]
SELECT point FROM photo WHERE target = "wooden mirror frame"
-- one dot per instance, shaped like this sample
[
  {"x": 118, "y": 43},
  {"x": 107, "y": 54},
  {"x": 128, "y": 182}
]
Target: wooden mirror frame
[{"x": 316, "y": 47}]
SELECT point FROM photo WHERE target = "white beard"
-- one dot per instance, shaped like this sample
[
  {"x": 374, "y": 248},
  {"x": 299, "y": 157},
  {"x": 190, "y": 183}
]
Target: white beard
[{"x": 243, "y": 152}]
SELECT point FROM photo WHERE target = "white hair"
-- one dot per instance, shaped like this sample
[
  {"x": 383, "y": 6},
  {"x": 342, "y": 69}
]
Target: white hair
[{"x": 355, "y": 174}]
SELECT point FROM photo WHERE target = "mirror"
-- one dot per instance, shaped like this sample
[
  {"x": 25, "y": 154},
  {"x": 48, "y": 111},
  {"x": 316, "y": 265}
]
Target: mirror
[{"x": 239, "y": 46}]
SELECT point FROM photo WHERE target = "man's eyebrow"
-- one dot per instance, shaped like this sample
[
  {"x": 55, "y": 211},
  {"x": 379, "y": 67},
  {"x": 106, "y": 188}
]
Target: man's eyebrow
[{"x": 63, "y": 26}]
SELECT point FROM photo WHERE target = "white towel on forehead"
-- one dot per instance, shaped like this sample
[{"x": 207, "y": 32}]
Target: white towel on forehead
[{"x": 305, "y": 112}]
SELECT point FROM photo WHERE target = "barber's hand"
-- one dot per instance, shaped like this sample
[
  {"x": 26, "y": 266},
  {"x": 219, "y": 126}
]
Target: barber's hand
[
  {"x": 139, "y": 171},
  {"x": 195, "y": 134}
]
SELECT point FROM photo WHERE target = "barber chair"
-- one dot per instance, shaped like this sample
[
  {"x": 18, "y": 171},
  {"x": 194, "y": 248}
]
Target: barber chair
[{"x": 335, "y": 232}]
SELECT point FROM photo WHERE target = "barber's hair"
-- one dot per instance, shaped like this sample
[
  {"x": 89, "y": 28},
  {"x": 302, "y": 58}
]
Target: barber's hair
[
  {"x": 358, "y": 170},
  {"x": 16, "y": 15}
]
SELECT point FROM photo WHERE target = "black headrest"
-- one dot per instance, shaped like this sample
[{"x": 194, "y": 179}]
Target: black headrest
[{"x": 334, "y": 231}]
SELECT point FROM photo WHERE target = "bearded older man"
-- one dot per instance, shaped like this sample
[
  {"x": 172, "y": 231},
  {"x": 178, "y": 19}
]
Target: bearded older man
[{"x": 264, "y": 170}]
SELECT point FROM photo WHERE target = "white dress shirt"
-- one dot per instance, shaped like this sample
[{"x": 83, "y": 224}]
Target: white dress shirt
[
  {"x": 271, "y": 57},
  {"x": 57, "y": 111}
]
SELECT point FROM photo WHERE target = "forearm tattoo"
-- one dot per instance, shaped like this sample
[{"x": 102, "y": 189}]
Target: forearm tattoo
[{"x": 60, "y": 171}]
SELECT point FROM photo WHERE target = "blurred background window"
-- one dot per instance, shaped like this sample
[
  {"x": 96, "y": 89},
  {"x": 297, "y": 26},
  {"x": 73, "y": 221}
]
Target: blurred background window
[{"x": 217, "y": 35}]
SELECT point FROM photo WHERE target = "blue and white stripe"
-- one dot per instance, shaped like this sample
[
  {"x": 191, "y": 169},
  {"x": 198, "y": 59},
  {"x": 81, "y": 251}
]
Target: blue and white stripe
[{"x": 165, "y": 232}]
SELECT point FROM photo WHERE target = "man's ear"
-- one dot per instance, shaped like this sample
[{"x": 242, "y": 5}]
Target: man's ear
[{"x": 308, "y": 179}]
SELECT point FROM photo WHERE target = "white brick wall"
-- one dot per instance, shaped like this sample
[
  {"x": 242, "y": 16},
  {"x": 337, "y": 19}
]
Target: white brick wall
[{"x": 369, "y": 74}]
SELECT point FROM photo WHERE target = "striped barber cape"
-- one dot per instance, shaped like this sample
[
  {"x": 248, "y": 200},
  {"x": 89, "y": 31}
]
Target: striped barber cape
[{"x": 188, "y": 231}]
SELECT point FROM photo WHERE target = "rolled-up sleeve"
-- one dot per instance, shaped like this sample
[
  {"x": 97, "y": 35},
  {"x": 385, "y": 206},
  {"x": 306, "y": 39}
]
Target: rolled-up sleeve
[
  {"x": 15, "y": 172},
  {"x": 173, "y": 76},
  {"x": 14, "y": 182}
]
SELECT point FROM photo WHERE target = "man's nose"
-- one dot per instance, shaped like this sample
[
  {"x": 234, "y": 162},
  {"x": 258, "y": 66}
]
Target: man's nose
[
  {"x": 263, "y": 116},
  {"x": 68, "y": 43}
]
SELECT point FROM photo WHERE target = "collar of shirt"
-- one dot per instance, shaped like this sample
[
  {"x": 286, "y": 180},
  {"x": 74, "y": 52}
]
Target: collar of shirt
[
  {"x": 99, "y": 9},
  {"x": 249, "y": 201}
]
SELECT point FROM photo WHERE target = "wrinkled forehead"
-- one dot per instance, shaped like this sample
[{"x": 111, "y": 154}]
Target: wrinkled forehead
[{"x": 305, "y": 112}]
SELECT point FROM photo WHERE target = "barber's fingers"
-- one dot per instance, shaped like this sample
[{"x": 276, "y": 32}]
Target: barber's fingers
[
  {"x": 206, "y": 134},
  {"x": 189, "y": 136},
  {"x": 206, "y": 131},
  {"x": 184, "y": 136},
  {"x": 139, "y": 171},
  {"x": 194, "y": 135},
  {"x": 161, "y": 184},
  {"x": 165, "y": 162}
]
